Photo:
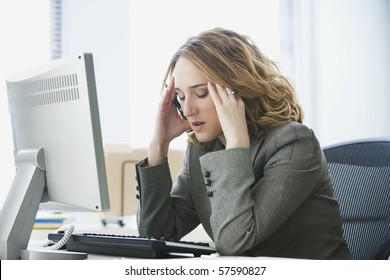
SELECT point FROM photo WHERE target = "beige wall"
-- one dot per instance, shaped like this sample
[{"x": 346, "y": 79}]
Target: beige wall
[{"x": 120, "y": 167}]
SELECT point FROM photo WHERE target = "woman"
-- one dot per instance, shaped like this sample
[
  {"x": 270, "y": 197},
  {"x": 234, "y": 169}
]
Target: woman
[{"x": 253, "y": 175}]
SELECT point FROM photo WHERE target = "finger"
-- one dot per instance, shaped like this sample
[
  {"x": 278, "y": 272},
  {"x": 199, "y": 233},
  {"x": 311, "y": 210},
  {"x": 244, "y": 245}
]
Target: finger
[
  {"x": 213, "y": 93},
  {"x": 222, "y": 93},
  {"x": 169, "y": 93}
]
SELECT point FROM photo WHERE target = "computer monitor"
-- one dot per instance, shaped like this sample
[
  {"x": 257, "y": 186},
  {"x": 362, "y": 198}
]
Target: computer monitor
[{"x": 58, "y": 147}]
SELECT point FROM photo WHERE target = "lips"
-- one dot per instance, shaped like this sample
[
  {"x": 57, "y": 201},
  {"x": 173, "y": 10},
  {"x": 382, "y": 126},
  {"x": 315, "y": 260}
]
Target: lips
[{"x": 197, "y": 125}]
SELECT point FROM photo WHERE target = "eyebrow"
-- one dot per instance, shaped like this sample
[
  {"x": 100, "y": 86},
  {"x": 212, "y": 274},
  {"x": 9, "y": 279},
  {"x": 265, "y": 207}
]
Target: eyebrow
[{"x": 193, "y": 86}]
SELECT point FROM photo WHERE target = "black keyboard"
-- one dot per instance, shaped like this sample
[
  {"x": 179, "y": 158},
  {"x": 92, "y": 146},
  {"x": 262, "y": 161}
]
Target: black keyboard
[{"x": 132, "y": 246}]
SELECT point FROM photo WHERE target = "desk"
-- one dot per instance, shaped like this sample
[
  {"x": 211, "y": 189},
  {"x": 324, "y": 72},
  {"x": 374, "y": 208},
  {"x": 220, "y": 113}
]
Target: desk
[{"x": 276, "y": 268}]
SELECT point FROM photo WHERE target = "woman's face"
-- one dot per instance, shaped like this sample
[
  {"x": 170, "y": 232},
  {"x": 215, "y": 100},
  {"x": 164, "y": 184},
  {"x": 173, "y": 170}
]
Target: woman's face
[{"x": 196, "y": 102}]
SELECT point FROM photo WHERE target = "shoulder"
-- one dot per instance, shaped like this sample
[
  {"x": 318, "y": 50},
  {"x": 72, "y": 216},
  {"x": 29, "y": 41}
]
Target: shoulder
[
  {"x": 292, "y": 139},
  {"x": 291, "y": 130}
]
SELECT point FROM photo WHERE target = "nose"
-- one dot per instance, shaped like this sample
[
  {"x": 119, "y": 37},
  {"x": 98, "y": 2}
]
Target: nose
[{"x": 189, "y": 107}]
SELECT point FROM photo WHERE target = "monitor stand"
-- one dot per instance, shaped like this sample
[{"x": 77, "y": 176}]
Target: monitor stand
[{"x": 18, "y": 214}]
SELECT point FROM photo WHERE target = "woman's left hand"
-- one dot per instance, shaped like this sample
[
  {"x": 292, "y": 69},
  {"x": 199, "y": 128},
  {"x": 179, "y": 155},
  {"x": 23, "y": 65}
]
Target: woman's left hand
[{"x": 231, "y": 113}]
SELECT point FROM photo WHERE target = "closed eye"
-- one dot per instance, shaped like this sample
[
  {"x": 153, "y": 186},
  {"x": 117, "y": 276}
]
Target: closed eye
[
  {"x": 199, "y": 95},
  {"x": 202, "y": 95}
]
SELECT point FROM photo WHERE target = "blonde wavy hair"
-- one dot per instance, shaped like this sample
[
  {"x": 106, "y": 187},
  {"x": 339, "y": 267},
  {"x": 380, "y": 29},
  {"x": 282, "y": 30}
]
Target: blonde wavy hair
[{"x": 233, "y": 60}]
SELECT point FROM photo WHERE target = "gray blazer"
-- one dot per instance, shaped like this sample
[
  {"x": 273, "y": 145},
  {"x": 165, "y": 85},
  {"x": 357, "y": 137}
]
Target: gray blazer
[{"x": 272, "y": 199}]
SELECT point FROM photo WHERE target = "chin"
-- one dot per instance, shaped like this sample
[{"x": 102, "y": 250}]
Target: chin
[{"x": 203, "y": 138}]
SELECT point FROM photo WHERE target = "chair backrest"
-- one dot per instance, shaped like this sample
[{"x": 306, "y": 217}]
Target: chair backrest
[{"x": 360, "y": 171}]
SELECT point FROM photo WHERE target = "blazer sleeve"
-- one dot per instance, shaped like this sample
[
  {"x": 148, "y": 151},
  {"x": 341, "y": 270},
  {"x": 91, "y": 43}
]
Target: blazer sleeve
[
  {"x": 246, "y": 210},
  {"x": 161, "y": 214}
]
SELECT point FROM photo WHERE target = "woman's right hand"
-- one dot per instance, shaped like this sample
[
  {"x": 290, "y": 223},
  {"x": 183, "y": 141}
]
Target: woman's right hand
[{"x": 168, "y": 126}]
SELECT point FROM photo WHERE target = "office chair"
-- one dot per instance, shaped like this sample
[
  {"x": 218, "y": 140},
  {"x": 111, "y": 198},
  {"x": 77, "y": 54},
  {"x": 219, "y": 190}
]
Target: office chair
[{"x": 360, "y": 171}]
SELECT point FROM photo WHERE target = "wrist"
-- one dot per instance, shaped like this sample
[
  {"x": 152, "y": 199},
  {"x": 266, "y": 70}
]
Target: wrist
[
  {"x": 157, "y": 153},
  {"x": 241, "y": 142}
]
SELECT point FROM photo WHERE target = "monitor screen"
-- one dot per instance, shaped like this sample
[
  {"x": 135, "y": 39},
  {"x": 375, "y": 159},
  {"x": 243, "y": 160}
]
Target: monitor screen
[{"x": 57, "y": 145}]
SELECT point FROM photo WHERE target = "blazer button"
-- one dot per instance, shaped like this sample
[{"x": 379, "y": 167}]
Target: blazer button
[
  {"x": 206, "y": 174},
  {"x": 208, "y": 182},
  {"x": 137, "y": 196},
  {"x": 137, "y": 188},
  {"x": 209, "y": 193}
]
